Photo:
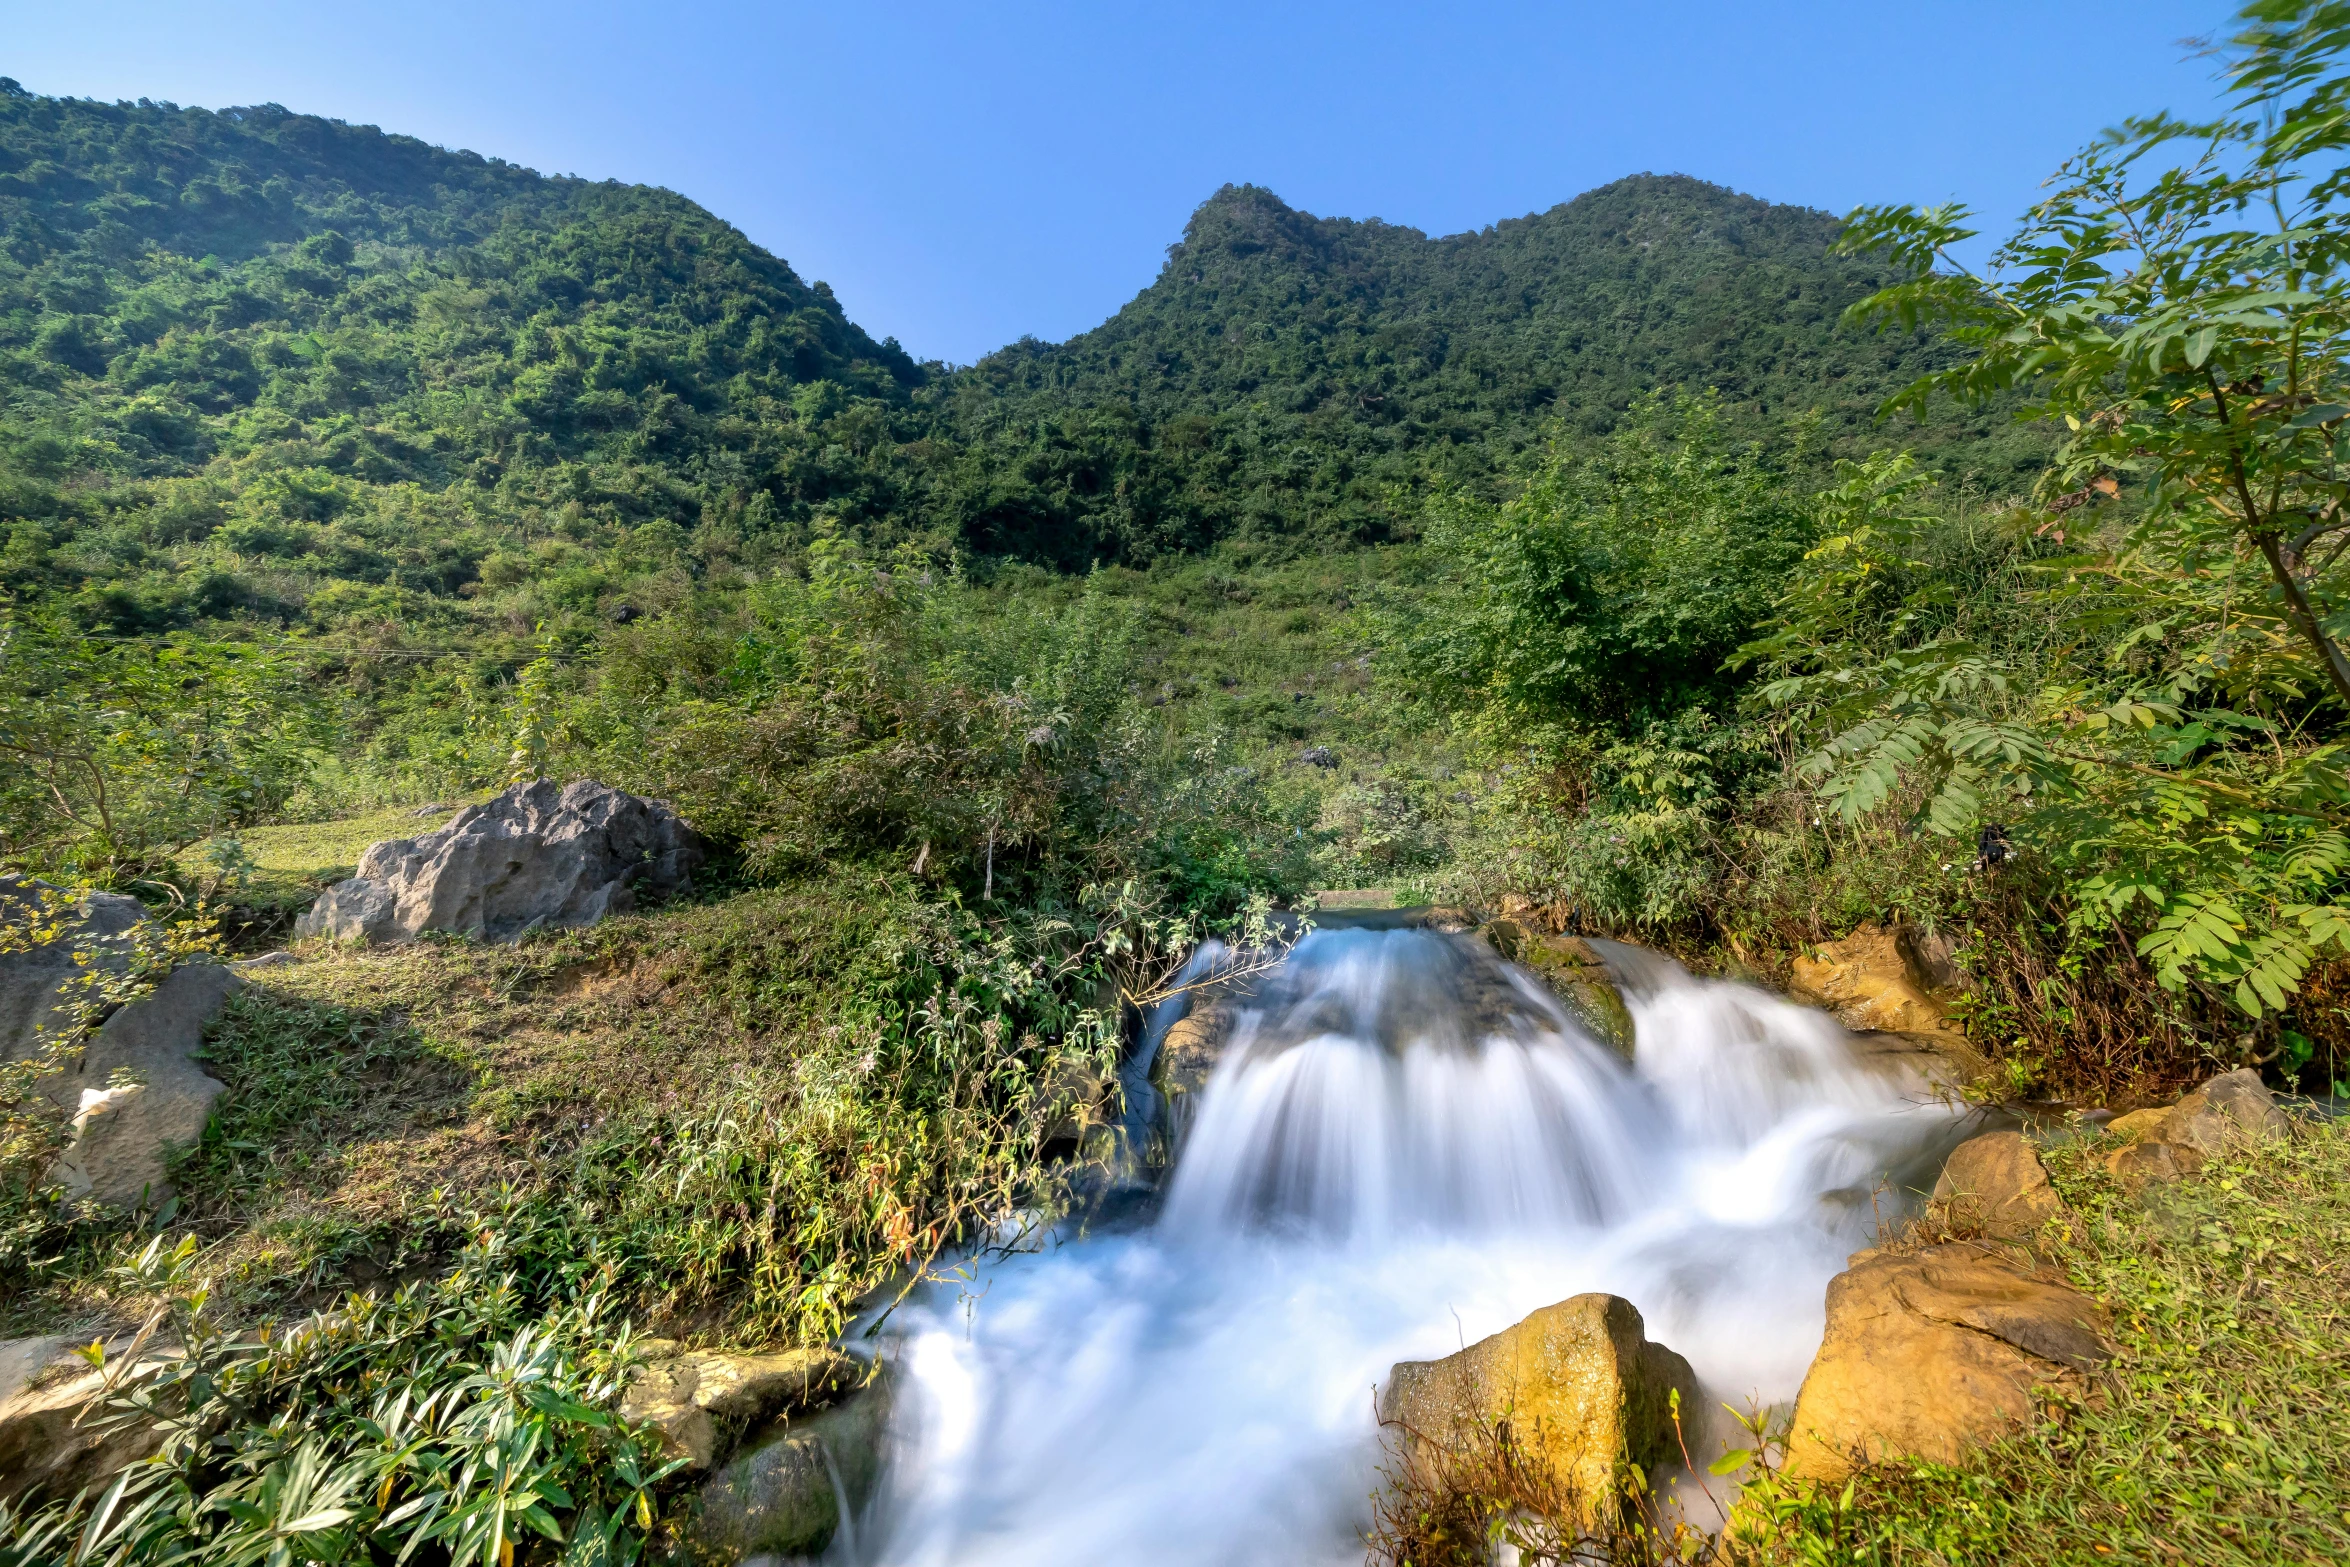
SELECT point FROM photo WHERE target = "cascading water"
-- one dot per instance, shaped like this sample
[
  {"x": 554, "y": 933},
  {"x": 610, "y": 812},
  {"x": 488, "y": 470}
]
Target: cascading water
[{"x": 1406, "y": 1146}]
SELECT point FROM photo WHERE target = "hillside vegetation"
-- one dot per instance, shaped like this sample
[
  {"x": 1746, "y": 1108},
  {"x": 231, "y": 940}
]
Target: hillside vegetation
[{"x": 1567, "y": 561}]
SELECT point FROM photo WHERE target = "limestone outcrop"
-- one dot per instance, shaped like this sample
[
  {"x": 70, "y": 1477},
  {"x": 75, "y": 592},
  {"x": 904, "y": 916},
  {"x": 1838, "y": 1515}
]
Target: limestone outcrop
[
  {"x": 1579, "y": 1385},
  {"x": 1930, "y": 1353},
  {"x": 42, "y": 1390},
  {"x": 702, "y": 1400},
  {"x": 536, "y": 856},
  {"x": 125, "y": 1130},
  {"x": 134, "y": 1091}
]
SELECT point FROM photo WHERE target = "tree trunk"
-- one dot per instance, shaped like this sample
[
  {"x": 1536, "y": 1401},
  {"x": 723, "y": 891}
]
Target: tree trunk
[{"x": 2305, "y": 619}]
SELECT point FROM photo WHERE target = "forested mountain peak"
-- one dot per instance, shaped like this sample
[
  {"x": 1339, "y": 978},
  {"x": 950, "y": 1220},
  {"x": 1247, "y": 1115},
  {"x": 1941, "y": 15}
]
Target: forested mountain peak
[{"x": 258, "y": 362}]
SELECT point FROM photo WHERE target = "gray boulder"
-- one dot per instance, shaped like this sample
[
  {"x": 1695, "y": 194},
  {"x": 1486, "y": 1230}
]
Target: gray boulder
[
  {"x": 134, "y": 1091},
  {"x": 138, "y": 1091},
  {"x": 536, "y": 856},
  {"x": 34, "y": 984}
]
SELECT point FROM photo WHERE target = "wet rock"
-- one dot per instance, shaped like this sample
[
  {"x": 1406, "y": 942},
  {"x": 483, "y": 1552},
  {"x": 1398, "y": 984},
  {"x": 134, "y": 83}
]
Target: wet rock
[
  {"x": 42, "y": 1390},
  {"x": 1579, "y": 1384},
  {"x": 1875, "y": 980},
  {"x": 701, "y": 1400},
  {"x": 1931, "y": 1353},
  {"x": 783, "y": 1494},
  {"x": 1995, "y": 1187},
  {"x": 1947, "y": 1062},
  {"x": 1575, "y": 972},
  {"x": 1193, "y": 1045},
  {"x": 536, "y": 856}
]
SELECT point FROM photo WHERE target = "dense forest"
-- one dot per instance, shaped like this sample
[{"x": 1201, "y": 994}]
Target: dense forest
[{"x": 268, "y": 367}]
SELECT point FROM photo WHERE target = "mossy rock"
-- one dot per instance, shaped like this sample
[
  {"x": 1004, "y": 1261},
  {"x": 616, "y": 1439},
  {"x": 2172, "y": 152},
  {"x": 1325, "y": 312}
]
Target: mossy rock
[{"x": 1575, "y": 973}]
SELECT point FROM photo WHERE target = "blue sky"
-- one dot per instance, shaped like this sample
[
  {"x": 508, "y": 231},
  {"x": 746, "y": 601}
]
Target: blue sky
[{"x": 964, "y": 174}]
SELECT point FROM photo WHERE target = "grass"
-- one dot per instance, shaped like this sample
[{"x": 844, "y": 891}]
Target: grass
[
  {"x": 742, "y": 1104},
  {"x": 285, "y": 866},
  {"x": 2217, "y": 1437}
]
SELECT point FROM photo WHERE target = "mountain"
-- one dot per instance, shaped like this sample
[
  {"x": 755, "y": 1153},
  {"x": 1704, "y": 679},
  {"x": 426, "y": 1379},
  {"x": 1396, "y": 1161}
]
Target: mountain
[
  {"x": 1307, "y": 368},
  {"x": 270, "y": 367}
]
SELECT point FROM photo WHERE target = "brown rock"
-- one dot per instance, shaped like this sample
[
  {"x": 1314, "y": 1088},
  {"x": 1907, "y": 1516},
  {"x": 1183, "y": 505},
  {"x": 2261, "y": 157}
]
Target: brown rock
[
  {"x": 701, "y": 1400},
  {"x": 2140, "y": 1125},
  {"x": 2141, "y": 1165},
  {"x": 1947, "y": 1061},
  {"x": 1871, "y": 980},
  {"x": 1930, "y": 1353},
  {"x": 1994, "y": 1186},
  {"x": 2233, "y": 1110},
  {"x": 1579, "y": 1385}
]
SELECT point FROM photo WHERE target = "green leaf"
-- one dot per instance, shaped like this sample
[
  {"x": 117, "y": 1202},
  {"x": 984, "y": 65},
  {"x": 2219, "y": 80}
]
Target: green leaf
[
  {"x": 1731, "y": 1462},
  {"x": 2199, "y": 345}
]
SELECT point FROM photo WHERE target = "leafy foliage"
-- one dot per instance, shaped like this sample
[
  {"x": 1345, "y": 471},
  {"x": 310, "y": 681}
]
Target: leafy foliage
[
  {"x": 2176, "y": 760},
  {"x": 115, "y": 755}
]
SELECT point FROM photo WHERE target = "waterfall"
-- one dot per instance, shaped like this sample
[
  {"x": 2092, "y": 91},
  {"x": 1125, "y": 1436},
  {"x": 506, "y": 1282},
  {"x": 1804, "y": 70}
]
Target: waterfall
[{"x": 1406, "y": 1146}]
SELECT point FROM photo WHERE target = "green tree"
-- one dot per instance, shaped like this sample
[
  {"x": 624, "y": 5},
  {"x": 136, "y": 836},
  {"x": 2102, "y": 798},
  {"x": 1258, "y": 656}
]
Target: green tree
[
  {"x": 2181, "y": 305},
  {"x": 116, "y": 755}
]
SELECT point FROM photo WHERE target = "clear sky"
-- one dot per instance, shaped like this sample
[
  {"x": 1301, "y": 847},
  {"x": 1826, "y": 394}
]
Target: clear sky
[{"x": 964, "y": 174}]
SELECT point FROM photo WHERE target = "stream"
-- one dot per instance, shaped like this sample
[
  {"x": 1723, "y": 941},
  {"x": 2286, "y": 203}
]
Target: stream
[{"x": 1406, "y": 1146}]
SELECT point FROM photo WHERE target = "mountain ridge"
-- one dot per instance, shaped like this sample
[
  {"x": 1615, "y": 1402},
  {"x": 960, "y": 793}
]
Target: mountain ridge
[{"x": 257, "y": 361}]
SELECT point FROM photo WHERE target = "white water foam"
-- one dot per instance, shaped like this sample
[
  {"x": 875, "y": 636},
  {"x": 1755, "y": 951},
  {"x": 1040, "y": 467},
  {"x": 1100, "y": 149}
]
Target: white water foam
[{"x": 1406, "y": 1147}]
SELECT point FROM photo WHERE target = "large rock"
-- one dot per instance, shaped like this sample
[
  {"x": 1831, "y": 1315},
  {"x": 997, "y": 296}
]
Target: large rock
[
  {"x": 1994, "y": 1187},
  {"x": 1931, "y": 1353},
  {"x": 42, "y": 1392},
  {"x": 1193, "y": 1046},
  {"x": 1878, "y": 980},
  {"x": 133, "y": 1091},
  {"x": 1579, "y": 1386},
  {"x": 536, "y": 856},
  {"x": 36, "y": 984},
  {"x": 1575, "y": 972},
  {"x": 2231, "y": 1111},
  {"x": 124, "y": 1132},
  {"x": 701, "y": 1400},
  {"x": 784, "y": 1493}
]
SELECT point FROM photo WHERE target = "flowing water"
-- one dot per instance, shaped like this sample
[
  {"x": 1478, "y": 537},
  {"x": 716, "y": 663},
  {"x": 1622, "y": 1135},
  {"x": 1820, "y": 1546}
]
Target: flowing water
[{"x": 1407, "y": 1146}]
